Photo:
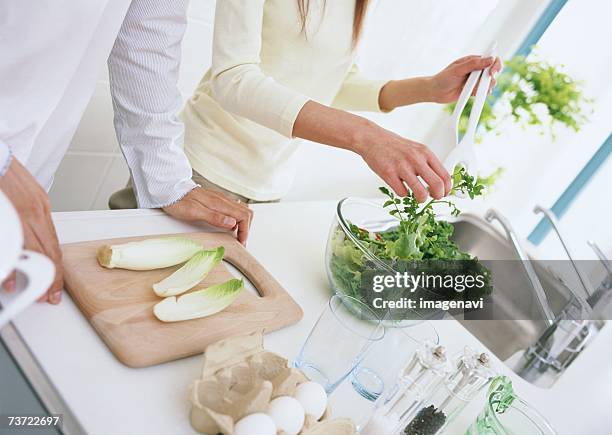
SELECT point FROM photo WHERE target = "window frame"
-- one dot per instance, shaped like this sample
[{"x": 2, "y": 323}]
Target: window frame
[{"x": 563, "y": 203}]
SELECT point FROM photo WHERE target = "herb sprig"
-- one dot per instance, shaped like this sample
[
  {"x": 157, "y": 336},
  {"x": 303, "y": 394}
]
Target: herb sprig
[
  {"x": 464, "y": 184},
  {"x": 421, "y": 235}
]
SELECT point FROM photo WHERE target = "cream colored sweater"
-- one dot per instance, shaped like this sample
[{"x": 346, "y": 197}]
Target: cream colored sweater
[{"x": 239, "y": 122}]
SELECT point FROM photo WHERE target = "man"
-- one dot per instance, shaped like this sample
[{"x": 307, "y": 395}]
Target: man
[{"x": 51, "y": 53}]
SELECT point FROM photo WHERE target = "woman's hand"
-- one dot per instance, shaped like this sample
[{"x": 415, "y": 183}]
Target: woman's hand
[
  {"x": 394, "y": 159},
  {"x": 446, "y": 86},
  {"x": 401, "y": 162}
]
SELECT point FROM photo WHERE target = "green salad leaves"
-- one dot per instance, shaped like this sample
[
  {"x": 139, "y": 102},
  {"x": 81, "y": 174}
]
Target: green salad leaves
[
  {"x": 420, "y": 243},
  {"x": 420, "y": 235}
]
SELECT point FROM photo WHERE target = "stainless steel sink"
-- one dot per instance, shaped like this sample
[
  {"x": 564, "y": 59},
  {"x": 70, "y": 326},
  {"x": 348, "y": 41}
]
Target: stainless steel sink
[{"x": 520, "y": 323}]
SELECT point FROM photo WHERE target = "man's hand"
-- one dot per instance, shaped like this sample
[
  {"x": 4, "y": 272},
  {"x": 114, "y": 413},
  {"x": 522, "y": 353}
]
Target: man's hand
[
  {"x": 32, "y": 205},
  {"x": 446, "y": 86},
  {"x": 215, "y": 209}
]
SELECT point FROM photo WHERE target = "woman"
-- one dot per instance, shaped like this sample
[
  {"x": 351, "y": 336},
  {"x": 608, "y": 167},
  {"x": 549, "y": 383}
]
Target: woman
[{"x": 284, "y": 69}]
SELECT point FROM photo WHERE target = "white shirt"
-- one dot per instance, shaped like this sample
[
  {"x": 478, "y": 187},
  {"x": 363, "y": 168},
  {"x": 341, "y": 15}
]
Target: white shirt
[
  {"x": 239, "y": 122},
  {"x": 51, "y": 54}
]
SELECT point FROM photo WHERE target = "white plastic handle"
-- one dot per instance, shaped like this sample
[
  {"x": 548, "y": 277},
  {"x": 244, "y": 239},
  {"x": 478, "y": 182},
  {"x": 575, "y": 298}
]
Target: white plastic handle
[
  {"x": 479, "y": 101},
  {"x": 481, "y": 96},
  {"x": 40, "y": 272},
  {"x": 465, "y": 95}
]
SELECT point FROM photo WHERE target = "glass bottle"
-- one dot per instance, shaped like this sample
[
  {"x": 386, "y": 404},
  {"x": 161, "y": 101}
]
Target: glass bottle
[
  {"x": 472, "y": 372},
  {"x": 422, "y": 375}
]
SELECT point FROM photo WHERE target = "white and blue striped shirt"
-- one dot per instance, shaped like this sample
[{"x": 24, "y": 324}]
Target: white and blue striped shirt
[{"x": 143, "y": 68}]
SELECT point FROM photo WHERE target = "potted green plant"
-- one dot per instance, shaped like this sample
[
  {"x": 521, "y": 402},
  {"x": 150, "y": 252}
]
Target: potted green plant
[{"x": 533, "y": 93}]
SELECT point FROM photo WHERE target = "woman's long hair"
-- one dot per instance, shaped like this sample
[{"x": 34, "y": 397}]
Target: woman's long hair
[{"x": 361, "y": 7}]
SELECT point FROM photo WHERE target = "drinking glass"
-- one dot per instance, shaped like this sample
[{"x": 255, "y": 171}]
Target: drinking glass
[
  {"x": 339, "y": 340},
  {"x": 379, "y": 369}
]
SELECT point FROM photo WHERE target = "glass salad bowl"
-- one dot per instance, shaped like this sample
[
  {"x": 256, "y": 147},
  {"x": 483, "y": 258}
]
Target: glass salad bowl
[{"x": 351, "y": 261}]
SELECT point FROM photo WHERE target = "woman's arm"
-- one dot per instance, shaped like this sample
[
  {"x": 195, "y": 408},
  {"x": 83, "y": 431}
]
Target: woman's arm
[
  {"x": 361, "y": 94},
  {"x": 395, "y": 159},
  {"x": 240, "y": 86},
  {"x": 443, "y": 87},
  {"x": 237, "y": 81}
]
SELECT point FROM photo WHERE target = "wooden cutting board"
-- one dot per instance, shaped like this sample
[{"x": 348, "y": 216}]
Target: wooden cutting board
[{"x": 119, "y": 303}]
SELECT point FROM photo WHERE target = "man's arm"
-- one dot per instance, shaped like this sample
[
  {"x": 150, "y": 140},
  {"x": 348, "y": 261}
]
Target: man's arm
[{"x": 143, "y": 68}]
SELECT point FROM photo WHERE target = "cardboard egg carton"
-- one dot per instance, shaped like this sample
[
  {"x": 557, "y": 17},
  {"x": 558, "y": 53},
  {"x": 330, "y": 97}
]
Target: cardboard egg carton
[{"x": 240, "y": 378}]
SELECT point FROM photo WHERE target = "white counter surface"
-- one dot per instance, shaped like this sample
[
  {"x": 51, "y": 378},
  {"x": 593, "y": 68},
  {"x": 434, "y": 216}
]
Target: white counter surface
[{"x": 289, "y": 240}]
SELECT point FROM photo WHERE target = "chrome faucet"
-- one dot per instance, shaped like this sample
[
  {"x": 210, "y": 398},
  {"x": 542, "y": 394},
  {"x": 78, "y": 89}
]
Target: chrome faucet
[
  {"x": 607, "y": 283},
  {"x": 549, "y": 314},
  {"x": 602, "y": 297},
  {"x": 548, "y": 214},
  {"x": 571, "y": 332},
  {"x": 584, "y": 305}
]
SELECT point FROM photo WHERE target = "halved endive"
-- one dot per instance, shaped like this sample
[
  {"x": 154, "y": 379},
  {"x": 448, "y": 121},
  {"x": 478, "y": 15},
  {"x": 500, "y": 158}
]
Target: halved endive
[
  {"x": 190, "y": 274},
  {"x": 148, "y": 254},
  {"x": 201, "y": 303}
]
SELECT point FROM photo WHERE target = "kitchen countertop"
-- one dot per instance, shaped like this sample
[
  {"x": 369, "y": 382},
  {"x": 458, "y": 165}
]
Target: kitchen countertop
[{"x": 289, "y": 240}]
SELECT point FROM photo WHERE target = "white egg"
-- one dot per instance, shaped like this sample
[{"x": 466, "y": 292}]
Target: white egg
[
  {"x": 313, "y": 398},
  {"x": 255, "y": 424},
  {"x": 287, "y": 413}
]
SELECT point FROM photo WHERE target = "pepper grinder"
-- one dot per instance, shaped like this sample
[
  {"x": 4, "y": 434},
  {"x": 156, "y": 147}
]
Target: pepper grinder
[
  {"x": 473, "y": 371},
  {"x": 422, "y": 375}
]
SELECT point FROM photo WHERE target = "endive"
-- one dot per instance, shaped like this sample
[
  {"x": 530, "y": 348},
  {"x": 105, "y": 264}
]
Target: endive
[
  {"x": 148, "y": 254},
  {"x": 201, "y": 303},
  {"x": 192, "y": 272}
]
